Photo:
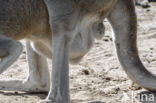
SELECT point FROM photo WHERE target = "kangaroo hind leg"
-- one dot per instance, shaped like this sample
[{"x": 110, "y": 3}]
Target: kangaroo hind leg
[{"x": 10, "y": 50}]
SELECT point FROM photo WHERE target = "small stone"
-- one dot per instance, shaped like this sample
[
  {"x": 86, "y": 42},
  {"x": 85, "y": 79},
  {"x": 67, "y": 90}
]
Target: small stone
[
  {"x": 86, "y": 72},
  {"x": 106, "y": 39},
  {"x": 16, "y": 92}
]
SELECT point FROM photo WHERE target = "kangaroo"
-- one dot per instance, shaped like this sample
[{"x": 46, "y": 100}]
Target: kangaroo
[
  {"x": 64, "y": 30},
  {"x": 29, "y": 19}
]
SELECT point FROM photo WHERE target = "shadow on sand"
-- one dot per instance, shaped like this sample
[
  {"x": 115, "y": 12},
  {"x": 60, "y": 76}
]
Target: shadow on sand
[{"x": 42, "y": 95}]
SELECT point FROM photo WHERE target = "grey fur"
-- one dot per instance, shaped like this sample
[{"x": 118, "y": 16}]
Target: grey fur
[{"x": 64, "y": 30}]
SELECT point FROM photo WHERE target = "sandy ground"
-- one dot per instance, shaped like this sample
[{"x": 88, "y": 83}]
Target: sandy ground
[{"x": 98, "y": 78}]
